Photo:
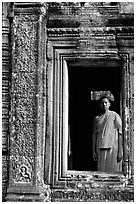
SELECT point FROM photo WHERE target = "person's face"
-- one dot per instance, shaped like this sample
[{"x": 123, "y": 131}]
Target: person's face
[{"x": 105, "y": 104}]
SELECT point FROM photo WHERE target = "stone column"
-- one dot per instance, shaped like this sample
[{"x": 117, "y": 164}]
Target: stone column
[
  {"x": 26, "y": 173},
  {"x": 5, "y": 96}
]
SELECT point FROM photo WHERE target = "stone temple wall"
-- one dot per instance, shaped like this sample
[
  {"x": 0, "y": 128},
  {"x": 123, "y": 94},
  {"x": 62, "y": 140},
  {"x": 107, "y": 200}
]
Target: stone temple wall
[{"x": 36, "y": 37}]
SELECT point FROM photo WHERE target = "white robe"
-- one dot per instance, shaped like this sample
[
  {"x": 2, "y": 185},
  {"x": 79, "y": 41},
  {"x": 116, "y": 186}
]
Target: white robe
[{"x": 107, "y": 128}]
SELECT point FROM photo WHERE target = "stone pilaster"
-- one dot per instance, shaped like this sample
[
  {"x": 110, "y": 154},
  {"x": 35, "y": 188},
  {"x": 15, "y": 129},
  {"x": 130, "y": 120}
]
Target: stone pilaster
[
  {"x": 5, "y": 95},
  {"x": 26, "y": 175}
]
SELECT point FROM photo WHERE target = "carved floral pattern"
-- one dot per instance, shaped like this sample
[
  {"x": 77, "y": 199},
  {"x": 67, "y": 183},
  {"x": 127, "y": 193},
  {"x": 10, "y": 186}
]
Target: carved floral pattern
[
  {"x": 24, "y": 87},
  {"x": 25, "y": 29}
]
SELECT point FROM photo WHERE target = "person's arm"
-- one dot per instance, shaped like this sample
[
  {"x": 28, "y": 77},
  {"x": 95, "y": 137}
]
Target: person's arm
[
  {"x": 94, "y": 140},
  {"x": 119, "y": 128},
  {"x": 119, "y": 153}
]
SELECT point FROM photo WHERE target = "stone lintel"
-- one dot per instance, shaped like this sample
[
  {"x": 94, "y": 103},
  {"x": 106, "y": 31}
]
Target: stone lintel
[{"x": 29, "y": 8}]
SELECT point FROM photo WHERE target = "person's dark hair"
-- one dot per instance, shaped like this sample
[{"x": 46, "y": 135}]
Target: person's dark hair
[{"x": 110, "y": 97}]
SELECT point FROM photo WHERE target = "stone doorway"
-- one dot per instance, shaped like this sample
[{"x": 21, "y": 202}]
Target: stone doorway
[{"x": 83, "y": 108}]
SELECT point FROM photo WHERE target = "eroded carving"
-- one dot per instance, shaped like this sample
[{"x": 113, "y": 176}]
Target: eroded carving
[
  {"x": 92, "y": 195},
  {"x": 21, "y": 170},
  {"x": 25, "y": 29},
  {"x": 24, "y": 83}
]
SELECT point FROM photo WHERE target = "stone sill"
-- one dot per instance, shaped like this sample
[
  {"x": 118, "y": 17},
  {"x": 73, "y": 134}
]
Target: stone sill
[{"x": 88, "y": 195}]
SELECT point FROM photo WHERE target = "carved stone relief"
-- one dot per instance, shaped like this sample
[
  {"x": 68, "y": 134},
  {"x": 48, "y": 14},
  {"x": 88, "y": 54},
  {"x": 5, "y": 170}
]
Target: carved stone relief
[
  {"x": 23, "y": 112},
  {"x": 28, "y": 118}
]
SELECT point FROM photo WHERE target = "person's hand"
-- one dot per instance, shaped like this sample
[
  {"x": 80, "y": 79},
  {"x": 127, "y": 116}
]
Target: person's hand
[
  {"x": 119, "y": 156},
  {"x": 95, "y": 156}
]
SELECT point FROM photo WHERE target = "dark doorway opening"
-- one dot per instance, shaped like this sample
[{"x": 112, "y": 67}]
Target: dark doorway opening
[{"x": 83, "y": 80}]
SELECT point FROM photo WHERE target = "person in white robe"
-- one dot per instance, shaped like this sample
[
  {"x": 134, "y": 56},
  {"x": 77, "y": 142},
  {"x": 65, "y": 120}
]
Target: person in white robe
[{"x": 107, "y": 138}]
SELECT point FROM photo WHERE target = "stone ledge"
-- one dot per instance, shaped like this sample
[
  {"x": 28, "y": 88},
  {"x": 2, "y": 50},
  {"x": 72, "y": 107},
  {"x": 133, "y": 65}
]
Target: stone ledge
[{"x": 78, "y": 195}]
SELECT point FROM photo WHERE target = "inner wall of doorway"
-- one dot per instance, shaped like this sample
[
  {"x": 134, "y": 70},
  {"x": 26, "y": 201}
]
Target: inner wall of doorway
[{"x": 83, "y": 80}]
